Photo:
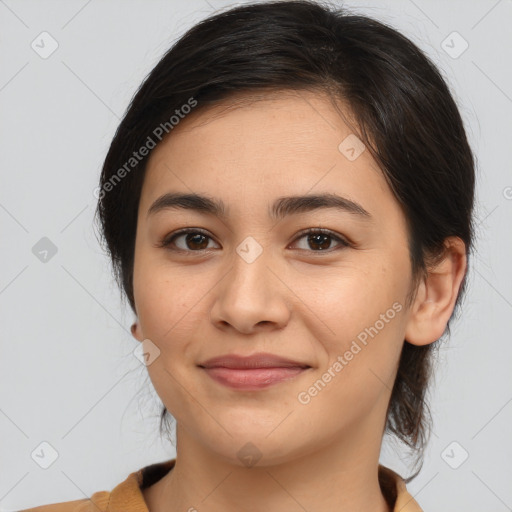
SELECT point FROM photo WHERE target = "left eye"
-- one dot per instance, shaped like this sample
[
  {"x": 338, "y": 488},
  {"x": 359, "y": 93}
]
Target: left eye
[
  {"x": 196, "y": 240},
  {"x": 321, "y": 238}
]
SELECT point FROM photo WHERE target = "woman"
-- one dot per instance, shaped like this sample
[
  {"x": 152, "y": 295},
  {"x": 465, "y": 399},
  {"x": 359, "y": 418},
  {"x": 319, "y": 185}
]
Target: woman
[{"x": 287, "y": 204}]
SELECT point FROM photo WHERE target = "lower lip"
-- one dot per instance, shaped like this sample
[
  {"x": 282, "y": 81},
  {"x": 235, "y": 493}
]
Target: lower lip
[{"x": 255, "y": 378}]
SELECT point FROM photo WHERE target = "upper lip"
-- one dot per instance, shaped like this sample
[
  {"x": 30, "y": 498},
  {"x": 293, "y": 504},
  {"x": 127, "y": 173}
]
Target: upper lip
[{"x": 260, "y": 360}]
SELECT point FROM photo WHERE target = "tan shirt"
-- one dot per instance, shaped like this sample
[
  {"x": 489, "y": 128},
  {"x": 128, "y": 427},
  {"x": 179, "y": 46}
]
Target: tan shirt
[{"x": 127, "y": 496}]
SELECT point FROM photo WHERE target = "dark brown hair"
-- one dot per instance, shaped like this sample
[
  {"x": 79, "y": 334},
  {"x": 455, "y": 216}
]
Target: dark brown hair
[{"x": 404, "y": 113}]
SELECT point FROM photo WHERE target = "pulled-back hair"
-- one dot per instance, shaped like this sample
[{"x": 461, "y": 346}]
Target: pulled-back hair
[{"x": 402, "y": 109}]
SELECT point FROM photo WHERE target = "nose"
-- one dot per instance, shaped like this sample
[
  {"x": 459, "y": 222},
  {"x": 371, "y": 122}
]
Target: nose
[{"x": 251, "y": 298}]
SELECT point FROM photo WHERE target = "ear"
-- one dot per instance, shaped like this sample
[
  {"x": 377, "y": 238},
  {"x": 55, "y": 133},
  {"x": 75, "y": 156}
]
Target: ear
[
  {"x": 137, "y": 331},
  {"x": 436, "y": 295}
]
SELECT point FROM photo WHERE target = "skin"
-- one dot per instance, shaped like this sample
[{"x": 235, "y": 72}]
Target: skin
[{"x": 293, "y": 300}]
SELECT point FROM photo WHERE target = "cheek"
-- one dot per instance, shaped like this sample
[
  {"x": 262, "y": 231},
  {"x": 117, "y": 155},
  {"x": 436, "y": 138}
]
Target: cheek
[
  {"x": 360, "y": 362},
  {"x": 168, "y": 309},
  {"x": 165, "y": 298},
  {"x": 348, "y": 299},
  {"x": 364, "y": 313},
  {"x": 168, "y": 316}
]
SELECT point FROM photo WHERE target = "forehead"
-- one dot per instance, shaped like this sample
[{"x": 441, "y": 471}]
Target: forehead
[
  {"x": 276, "y": 118},
  {"x": 261, "y": 145}
]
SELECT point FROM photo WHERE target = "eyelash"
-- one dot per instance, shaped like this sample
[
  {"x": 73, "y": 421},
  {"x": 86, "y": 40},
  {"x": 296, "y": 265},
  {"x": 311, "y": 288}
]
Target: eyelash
[{"x": 168, "y": 240}]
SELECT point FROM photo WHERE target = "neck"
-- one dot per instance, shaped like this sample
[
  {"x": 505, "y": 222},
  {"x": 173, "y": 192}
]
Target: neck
[{"x": 337, "y": 477}]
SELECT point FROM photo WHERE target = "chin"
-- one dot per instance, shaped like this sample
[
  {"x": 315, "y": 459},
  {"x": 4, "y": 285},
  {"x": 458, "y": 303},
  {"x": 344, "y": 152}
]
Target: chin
[{"x": 255, "y": 447}]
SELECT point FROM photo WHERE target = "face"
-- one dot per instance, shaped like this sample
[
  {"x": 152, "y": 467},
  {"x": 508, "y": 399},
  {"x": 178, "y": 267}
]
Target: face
[{"x": 248, "y": 279}]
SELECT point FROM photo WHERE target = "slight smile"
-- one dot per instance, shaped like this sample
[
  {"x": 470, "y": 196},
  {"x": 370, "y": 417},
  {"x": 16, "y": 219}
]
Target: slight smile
[{"x": 252, "y": 372}]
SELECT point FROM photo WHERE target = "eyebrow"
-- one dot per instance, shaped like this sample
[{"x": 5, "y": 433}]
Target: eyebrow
[{"x": 282, "y": 207}]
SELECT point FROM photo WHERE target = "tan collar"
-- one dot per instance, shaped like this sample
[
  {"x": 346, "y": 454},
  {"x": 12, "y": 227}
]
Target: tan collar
[{"x": 128, "y": 497}]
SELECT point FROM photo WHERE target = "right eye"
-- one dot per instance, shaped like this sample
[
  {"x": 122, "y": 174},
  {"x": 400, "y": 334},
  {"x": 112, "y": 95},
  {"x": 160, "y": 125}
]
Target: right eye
[{"x": 192, "y": 240}]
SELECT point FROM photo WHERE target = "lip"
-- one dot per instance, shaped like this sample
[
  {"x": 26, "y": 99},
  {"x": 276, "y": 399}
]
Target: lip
[
  {"x": 252, "y": 372},
  {"x": 259, "y": 360},
  {"x": 254, "y": 379}
]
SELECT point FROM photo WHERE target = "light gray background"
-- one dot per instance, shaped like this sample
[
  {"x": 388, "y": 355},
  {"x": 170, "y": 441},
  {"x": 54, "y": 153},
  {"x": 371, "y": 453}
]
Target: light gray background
[{"x": 67, "y": 372}]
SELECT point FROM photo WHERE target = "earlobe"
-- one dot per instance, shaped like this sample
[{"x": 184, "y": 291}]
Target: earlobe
[
  {"x": 136, "y": 331},
  {"x": 437, "y": 294}
]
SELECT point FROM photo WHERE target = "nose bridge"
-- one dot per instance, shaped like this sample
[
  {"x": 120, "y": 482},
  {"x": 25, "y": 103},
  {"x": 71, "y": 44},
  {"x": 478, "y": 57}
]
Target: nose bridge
[
  {"x": 250, "y": 270},
  {"x": 251, "y": 294}
]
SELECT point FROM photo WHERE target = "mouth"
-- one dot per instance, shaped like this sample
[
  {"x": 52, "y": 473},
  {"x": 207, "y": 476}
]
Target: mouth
[
  {"x": 252, "y": 372},
  {"x": 254, "y": 378}
]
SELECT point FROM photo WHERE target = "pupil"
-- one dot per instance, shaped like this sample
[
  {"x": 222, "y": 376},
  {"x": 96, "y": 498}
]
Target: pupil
[
  {"x": 315, "y": 239},
  {"x": 194, "y": 239}
]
